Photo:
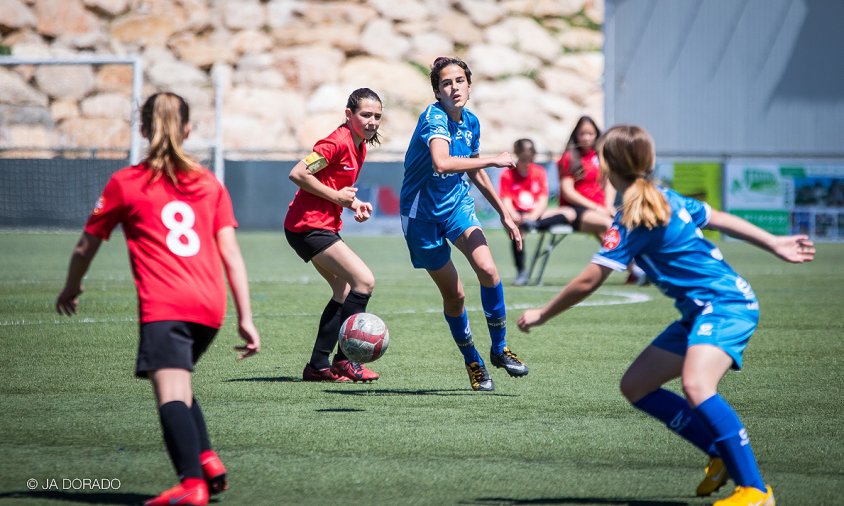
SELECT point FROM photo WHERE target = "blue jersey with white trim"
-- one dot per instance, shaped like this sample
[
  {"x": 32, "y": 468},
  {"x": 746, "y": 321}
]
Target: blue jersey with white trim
[
  {"x": 677, "y": 258},
  {"x": 426, "y": 195}
]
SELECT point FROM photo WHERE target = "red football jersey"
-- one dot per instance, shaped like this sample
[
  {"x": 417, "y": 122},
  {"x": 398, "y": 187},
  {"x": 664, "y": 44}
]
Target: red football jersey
[
  {"x": 524, "y": 191},
  {"x": 590, "y": 183},
  {"x": 171, "y": 235},
  {"x": 309, "y": 212}
]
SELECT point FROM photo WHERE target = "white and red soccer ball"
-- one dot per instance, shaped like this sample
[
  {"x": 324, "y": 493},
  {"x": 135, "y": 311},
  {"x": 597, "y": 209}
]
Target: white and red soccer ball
[{"x": 364, "y": 337}]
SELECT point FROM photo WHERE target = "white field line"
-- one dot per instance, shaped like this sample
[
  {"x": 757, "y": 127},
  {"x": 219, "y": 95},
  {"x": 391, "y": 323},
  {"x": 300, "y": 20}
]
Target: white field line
[{"x": 618, "y": 298}]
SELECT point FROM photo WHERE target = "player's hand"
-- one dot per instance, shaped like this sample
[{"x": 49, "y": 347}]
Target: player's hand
[
  {"x": 248, "y": 333},
  {"x": 363, "y": 210},
  {"x": 512, "y": 230},
  {"x": 68, "y": 300},
  {"x": 504, "y": 159},
  {"x": 530, "y": 318},
  {"x": 794, "y": 248},
  {"x": 346, "y": 196}
]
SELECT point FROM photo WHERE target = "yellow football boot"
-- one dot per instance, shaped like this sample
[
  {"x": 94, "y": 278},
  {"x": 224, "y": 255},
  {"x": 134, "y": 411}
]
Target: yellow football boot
[
  {"x": 749, "y": 496},
  {"x": 716, "y": 477}
]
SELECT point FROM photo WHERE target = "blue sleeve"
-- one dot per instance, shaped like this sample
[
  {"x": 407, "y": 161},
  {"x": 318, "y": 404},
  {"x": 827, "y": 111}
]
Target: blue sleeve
[
  {"x": 620, "y": 246},
  {"x": 699, "y": 211},
  {"x": 434, "y": 125}
]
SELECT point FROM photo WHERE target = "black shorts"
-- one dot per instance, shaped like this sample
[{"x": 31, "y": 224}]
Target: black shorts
[
  {"x": 171, "y": 345},
  {"x": 309, "y": 244}
]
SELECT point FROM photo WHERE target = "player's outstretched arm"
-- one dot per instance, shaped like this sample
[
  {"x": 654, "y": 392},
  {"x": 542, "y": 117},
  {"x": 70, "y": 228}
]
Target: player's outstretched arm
[
  {"x": 83, "y": 253},
  {"x": 239, "y": 283},
  {"x": 444, "y": 163},
  {"x": 582, "y": 286},
  {"x": 791, "y": 248}
]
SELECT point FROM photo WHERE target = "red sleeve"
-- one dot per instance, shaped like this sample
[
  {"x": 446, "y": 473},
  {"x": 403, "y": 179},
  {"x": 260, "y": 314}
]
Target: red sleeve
[
  {"x": 563, "y": 165},
  {"x": 108, "y": 211},
  {"x": 505, "y": 186},
  {"x": 329, "y": 149},
  {"x": 224, "y": 215},
  {"x": 542, "y": 177}
]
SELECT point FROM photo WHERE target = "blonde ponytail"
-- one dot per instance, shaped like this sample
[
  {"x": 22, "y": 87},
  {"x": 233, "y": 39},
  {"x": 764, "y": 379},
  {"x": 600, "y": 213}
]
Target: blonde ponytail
[
  {"x": 164, "y": 117},
  {"x": 627, "y": 152},
  {"x": 644, "y": 205}
]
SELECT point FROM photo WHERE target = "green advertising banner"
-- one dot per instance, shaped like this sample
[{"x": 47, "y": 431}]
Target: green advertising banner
[
  {"x": 701, "y": 181},
  {"x": 789, "y": 198}
]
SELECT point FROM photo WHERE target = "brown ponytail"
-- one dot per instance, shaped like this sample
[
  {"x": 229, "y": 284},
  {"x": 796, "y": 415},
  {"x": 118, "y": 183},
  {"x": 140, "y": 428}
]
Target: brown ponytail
[
  {"x": 164, "y": 117},
  {"x": 627, "y": 151}
]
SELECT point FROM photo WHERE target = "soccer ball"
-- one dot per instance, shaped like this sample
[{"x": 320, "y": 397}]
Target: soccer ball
[{"x": 364, "y": 337}]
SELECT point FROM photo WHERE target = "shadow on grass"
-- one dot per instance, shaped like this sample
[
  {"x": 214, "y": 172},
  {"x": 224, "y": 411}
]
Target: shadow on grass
[
  {"x": 80, "y": 497},
  {"x": 269, "y": 379},
  {"x": 339, "y": 410},
  {"x": 572, "y": 500},
  {"x": 386, "y": 392}
]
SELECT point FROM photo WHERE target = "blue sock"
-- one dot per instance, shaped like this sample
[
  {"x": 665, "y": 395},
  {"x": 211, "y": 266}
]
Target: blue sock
[
  {"x": 462, "y": 334},
  {"x": 732, "y": 442},
  {"x": 492, "y": 299},
  {"x": 675, "y": 412}
]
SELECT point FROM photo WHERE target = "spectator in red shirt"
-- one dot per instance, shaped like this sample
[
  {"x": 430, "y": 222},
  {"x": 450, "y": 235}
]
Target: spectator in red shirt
[
  {"x": 586, "y": 190},
  {"x": 582, "y": 186},
  {"x": 326, "y": 179},
  {"x": 524, "y": 193},
  {"x": 179, "y": 225}
]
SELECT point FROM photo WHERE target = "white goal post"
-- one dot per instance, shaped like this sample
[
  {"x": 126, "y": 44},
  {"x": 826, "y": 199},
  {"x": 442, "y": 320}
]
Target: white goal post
[{"x": 137, "y": 82}]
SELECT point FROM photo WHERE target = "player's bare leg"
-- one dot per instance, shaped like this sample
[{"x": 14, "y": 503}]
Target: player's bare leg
[
  {"x": 473, "y": 244},
  {"x": 351, "y": 278},
  {"x": 451, "y": 289}
]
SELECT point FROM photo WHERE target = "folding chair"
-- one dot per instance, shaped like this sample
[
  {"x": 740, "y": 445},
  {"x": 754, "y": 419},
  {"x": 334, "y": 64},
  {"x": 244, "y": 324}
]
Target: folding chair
[{"x": 555, "y": 233}]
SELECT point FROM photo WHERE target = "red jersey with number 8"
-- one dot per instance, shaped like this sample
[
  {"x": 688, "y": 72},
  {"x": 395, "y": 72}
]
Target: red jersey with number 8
[{"x": 171, "y": 236}]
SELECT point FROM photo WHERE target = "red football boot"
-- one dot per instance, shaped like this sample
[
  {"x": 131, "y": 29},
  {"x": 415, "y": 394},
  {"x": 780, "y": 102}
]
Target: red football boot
[
  {"x": 354, "y": 371},
  {"x": 192, "y": 491},
  {"x": 214, "y": 472},
  {"x": 311, "y": 373}
]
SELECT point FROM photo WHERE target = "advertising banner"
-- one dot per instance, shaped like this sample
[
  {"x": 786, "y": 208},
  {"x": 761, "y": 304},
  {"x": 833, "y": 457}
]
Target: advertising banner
[{"x": 790, "y": 198}]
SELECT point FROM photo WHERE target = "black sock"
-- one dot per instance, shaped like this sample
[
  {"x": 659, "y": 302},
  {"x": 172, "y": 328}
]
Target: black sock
[
  {"x": 355, "y": 303},
  {"x": 181, "y": 438},
  {"x": 519, "y": 257},
  {"x": 556, "y": 219},
  {"x": 201, "y": 429},
  {"x": 329, "y": 328}
]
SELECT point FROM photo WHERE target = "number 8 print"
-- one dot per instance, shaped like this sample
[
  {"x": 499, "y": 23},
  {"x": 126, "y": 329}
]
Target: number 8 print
[{"x": 180, "y": 229}]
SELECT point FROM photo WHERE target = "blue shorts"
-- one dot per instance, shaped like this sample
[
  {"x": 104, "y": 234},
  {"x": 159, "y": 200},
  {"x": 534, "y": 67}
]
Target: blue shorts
[
  {"x": 728, "y": 326},
  {"x": 427, "y": 241}
]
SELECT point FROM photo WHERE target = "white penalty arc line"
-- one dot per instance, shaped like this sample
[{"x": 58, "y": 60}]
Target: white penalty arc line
[{"x": 620, "y": 298}]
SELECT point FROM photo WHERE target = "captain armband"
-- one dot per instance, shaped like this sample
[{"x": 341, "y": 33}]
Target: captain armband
[{"x": 315, "y": 162}]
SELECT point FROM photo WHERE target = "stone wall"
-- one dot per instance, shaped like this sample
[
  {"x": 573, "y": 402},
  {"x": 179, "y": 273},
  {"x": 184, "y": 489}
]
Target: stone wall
[{"x": 288, "y": 66}]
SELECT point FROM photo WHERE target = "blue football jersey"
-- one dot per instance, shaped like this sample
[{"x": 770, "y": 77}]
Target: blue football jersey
[
  {"x": 677, "y": 258},
  {"x": 426, "y": 195}
]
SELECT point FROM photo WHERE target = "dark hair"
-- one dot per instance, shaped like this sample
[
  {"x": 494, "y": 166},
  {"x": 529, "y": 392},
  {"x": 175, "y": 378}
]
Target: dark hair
[
  {"x": 573, "y": 149},
  {"x": 523, "y": 144},
  {"x": 627, "y": 151},
  {"x": 163, "y": 120},
  {"x": 353, "y": 104},
  {"x": 443, "y": 62}
]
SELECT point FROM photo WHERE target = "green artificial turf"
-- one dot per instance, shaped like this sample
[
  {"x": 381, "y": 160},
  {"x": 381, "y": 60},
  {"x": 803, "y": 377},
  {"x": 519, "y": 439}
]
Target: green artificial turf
[{"x": 72, "y": 409}]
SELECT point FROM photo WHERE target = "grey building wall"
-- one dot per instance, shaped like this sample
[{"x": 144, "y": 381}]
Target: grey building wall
[{"x": 728, "y": 77}]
